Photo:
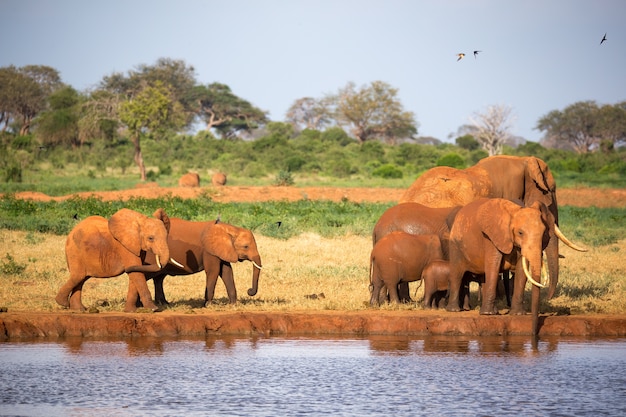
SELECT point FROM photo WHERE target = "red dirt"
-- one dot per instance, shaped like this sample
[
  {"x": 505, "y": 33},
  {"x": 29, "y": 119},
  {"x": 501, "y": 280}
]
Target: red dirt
[
  {"x": 21, "y": 325},
  {"x": 581, "y": 197}
]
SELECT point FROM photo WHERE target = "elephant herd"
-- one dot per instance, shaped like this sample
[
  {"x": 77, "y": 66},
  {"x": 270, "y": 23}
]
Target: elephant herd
[
  {"x": 450, "y": 227},
  {"x": 453, "y": 226}
]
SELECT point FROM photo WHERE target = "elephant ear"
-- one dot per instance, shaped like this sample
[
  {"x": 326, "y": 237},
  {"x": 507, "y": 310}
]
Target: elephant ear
[
  {"x": 124, "y": 225},
  {"x": 218, "y": 240},
  {"x": 494, "y": 219},
  {"x": 162, "y": 215},
  {"x": 540, "y": 173}
]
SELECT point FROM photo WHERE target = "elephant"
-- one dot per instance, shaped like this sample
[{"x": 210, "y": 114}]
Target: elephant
[
  {"x": 190, "y": 179},
  {"x": 400, "y": 257},
  {"x": 415, "y": 219},
  {"x": 218, "y": 179},
  {"x": 527, "y": 179},
  {"x": 493, "y": 235},
  {"x": 102, "y": 248},
  {"x": 435, "y": 278},
  {"x": 210, "y": 246}
]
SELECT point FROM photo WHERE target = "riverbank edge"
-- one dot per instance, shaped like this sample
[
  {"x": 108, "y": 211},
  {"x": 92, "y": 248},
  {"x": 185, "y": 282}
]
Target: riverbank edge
[{"x": 20, "y": 326}]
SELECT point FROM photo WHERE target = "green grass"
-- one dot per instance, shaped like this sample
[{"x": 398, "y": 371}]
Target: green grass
[{"x": 590, "y": 225}]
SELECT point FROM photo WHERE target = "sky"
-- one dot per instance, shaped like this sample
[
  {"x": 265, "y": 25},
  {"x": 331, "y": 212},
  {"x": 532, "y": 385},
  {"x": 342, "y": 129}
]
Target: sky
[{"x": 537, "y": 55}]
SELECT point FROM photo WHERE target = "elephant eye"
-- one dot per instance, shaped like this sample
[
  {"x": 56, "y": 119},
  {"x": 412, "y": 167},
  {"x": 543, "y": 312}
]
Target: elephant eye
[
  {"x": 150, "y": 238},
  {"x": 520, "y": 232}
]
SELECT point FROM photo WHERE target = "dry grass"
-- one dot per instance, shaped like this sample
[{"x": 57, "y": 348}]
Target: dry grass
[{"x": 294, "y": 270}]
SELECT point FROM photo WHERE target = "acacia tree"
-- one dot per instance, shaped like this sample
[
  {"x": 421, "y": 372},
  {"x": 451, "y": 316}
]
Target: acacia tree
[
  {"x": 492, "y": 128},
  {"x": 225, "y": 112},
  {"x": 373, "y": 111},
  {"x": 151, "y": 110},
  {"x": 24, "y": 93},
  {"x": 309, "y": 113},
  {"x": 574, "y": 127}
]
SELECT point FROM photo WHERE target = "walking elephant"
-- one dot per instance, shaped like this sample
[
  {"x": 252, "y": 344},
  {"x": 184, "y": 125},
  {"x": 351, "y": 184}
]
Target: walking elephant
[
  {"x": 415, "y": 219},
  {"x": 400, "y": 257},
  {"x": 490, "y": 236},
  {"x": 527, "y": 179},
  {"x": 210, "y": 246},
  {"x": 103, "y": 248}
]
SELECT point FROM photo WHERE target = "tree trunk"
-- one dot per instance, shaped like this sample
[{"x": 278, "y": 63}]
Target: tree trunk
[{"x": 139, "y": 157}]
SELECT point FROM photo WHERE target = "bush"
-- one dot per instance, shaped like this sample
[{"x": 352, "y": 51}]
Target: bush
[
  {"x": 387, "y": 171},
  {"x": 451, "y": 160},
  {"x": 283, "y": 179}
]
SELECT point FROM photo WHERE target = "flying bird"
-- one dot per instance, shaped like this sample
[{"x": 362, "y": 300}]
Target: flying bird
[
  {"x": 603, "y": 39},
  {"x": 476, "y": 53},
  {"x": 461, "y": 56}
]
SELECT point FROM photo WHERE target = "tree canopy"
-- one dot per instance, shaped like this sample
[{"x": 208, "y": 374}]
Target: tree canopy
[{"x": 584, "y": 125}]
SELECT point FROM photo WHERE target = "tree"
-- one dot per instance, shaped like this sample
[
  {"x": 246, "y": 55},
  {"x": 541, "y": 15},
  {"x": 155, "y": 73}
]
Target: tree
[
  {"x": 574, "y": 127},
  {"x": 610, "y": 126},
  {"x": 24, "y": 93},
  {"x": 152, "y": 109},
  {"x": 225, "y": 112},
  {"x": 373, "y": 111},
  {"x": 492, "y": 128},
  {"x": 309, "y": 113},
  {"x": 59, "y": 124}
]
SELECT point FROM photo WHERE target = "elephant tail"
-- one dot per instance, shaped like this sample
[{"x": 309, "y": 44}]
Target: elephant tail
[{"x": 371, "y": 285}]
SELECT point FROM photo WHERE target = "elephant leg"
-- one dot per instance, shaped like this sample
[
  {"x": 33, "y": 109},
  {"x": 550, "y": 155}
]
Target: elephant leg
[
  {"x": 63, "y": 296},
  {"x": 137, "y": 286},
  {"x": 506, "y": 281},
  {"x": 75, "y": 300},
  {"x": 465, "y": 292},
  {"x": 226, "y": 272},
  {"x": 377, "y": 291},
  {"x": 454, "y": 290},
  {"x": 212, "y": 270},
  {"x": 159, "y": 294},
  {"x": 404, "y": 293},
  {"x": 488, "y": 304},
  {"x": 519, "y": 283},
  {"x": 393, "y": 293}
]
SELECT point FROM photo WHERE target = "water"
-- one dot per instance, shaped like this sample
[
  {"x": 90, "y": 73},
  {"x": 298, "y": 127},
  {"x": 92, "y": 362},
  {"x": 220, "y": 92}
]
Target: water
[{"x": 391, "y": 376}]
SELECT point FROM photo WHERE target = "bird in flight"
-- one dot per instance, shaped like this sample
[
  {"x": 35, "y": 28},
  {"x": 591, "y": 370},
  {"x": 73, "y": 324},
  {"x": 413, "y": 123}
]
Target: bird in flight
[
  {"x": 603, "y": 39},
  {"x": 476, "y": 53},
  {"x": 461, "y": 56}
]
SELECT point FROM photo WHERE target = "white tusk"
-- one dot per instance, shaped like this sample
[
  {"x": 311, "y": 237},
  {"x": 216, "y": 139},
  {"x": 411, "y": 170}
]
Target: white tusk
[
  {"x": 172, "y": 260},
  {"x": 158, "y": 261},
  {"x": 545, "y": 276},
  {"x": 565, "y": 240},
  {"x": 527, "y": 273},
  {"x": 255, "y": 264}
]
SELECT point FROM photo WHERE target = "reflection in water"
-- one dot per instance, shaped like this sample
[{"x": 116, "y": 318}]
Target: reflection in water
[{"x": 286, "y": 376}]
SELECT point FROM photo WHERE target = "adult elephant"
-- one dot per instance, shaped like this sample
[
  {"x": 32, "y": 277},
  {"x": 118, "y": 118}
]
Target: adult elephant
[
  {"x": 103, "y": 248},
  {"x": 415, "y": 219},
  {"x": 492, "y": 235},
  {"x": 526, "y": 179},
  {"x": 210, "y": 246}
]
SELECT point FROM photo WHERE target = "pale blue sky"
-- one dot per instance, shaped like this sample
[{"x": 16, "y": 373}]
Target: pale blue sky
[{"x": 538, "y": 55}]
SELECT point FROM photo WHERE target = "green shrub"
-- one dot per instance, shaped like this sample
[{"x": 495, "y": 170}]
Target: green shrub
[
  {"x": 13, "y": 173},
  {"x": 453, "y": 160},
  {"x": 387, "y": 171},
  {"x": 283, "y": 179},
  {"x": 11, "y": 267}
]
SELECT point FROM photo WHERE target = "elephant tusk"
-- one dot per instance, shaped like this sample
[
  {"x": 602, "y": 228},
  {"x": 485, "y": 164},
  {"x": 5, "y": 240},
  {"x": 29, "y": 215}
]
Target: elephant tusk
[
  {"x": 565, "y": 240},
  {"x": 172, "y": 260},
  {"x": 158, "y": 261},
  {"x": 527, "y": 273},
  {"x": 545, "y": 276},
  {"x": 258, "y": 266}
]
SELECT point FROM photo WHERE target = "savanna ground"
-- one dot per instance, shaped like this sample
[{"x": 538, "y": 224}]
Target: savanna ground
[{"x": 306, "y": 275}]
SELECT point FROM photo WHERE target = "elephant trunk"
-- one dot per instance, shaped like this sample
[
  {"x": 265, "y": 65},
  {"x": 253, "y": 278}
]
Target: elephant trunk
[
  {"x": 534, "y": 276},
  {"x": 256, "y": 271},
  {"x": 552, "y": 258}
]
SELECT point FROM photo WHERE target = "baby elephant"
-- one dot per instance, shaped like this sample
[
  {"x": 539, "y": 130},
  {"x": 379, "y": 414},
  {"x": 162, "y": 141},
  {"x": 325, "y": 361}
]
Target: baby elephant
[
  {"x": 400, "y": 257},
  {"x": 435, "y": 278}
]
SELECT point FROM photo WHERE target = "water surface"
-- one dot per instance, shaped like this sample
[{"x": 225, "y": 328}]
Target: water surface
[{"x": 391, "y": 376}]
